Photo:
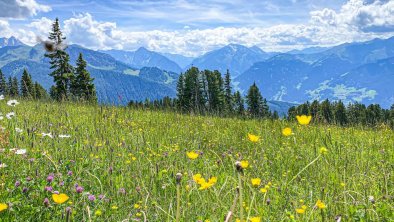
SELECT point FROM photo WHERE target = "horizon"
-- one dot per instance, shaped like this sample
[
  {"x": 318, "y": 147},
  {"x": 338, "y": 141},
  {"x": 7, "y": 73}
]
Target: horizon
[{"x": 129, "y": 25}]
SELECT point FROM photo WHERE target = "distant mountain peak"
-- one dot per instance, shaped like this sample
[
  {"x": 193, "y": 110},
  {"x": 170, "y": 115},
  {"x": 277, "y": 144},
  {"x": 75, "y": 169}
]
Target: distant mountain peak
[{"x": 11, "y": 41}]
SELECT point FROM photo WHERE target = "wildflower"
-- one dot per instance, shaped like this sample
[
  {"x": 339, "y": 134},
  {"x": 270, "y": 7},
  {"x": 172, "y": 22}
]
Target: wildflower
[
  {"x": 20, "y": 151},
  {"x": 48, "y": 188},
  {"x": 287, "y": 131},
  {"x": 25, "y": 189},
  {"x": 47, "y": 134},
  {"x": 256, "y": 182},
  {"x": 137, "y": 206},
  {"x": 10, "y": 115},
  {"x": 64, "y": 136},
  {"x": 60, "y": 198},
  {"x": 114, "y": 207},
  {"x": 18, "y": 130},
  {"x": 255, "y": 219},
  {"x": 263, "y": 190},
  {"x": 3, "y": 207},
  {"x": 244, "y": 164},
  {"x": 198, "y": 178},
  {"x": 253, "y": 138},
  {"x": 3, "y": 165},
  {"x": 50, "y": 178},
  {"x": 323, "y": 151},
  {"x": 343, "y": 184},
  {"x": 46, "y": 202},
  {"x": 69, "y": 173},
  {"x": 192, "y": 155},
  {"x": 91, "y": 197},
  {"x": 304, "y": 119},
  {"x": 1, "y": 97},
  {"x": 12, "y": 102},
  {"x": 122, "y": 191},
  {"x": 98, "y": 213},
  {"x": 17, "y": 183},
  {"x": 320, "y": 204},
  {"x": 301, "y": 210}
]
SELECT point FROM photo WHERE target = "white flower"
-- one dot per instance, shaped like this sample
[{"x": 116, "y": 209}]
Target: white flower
[
  {"x": 10, "y": 115},
  {"x": 1, "y": 97},
  {"x": 64, "y": 136},
  {"x": 12, "y": 102},
  {"x": 1, "y": 117},
  {"x": 18, "y": 130},
  {"x": 47, "y": 134},
  {"x": 20, "y": 151},
  {"x": 3, "y": 165}
]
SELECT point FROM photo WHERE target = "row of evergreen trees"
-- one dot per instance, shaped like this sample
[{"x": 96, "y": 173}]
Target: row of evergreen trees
[
  {"x": 337, "y": 113},
  {"x": 207, "y": 92},
  {"x": 70, "y": 83},
  {"x": 25, "y": 88}
]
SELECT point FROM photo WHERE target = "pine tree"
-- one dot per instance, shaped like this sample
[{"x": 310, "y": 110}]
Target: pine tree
[
  {"x": 40, "y": 92},
  {"x": 257, "y": 106},
  {"x": 326, "y": 112},
  {"x": 239, "y": 104},
  {"x": 180, "y": 88},
  {"x": 82, "y": 86},
  {"x": 26, "y": 85},
  {"x": 3, "y": 84},
  {"x": 340, "y": 113},
  {"x": 62, "y": 71},
  {"x": 13, "y": 86},
  {"x": 228, "y": 99}
]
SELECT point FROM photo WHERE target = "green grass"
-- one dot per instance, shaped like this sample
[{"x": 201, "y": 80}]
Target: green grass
[{"x": 141, "y": 151}]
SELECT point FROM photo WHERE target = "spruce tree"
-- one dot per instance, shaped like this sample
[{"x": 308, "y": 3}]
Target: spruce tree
[
  {"x": 3, "y": 84},
  {"x": 26, "y": 86},
  {"x": 59, "y": 59},
  {"x": 340, "y": 113},
  {"x": 228, "y": 99},
  {"x": 239, "y": 104},
  {"x": 180, "y": 89},
  {"x": 257, "y": 106},
  {"x": 14, "y": 91},
  {"x": 82, "y": 86},
  {"x": 40, "y": 92}
]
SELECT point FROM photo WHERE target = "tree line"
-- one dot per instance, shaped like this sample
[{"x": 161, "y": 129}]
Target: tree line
[
  {"x": 25, "y": 87},
  {"x": 208, "y": 92},
  {"x": 338, "y": 113}
]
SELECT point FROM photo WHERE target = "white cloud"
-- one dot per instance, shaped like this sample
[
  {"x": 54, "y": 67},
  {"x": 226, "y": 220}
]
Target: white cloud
[
  {"x": 354, "y": 21},
  {"x": 21, "y": 8}
]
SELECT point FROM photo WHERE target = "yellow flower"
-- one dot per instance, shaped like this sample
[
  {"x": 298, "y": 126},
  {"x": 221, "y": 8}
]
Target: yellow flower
[
  {"x": 343, "y": 184},
  {"x": 192, "y": 155},
  {"x": 244, "y": 164},
  {"x": 320, "y": 204},
  {"x": 263, "y": 190},
  {"x": 3, "y": 207},
  {"x": 114, "y": 207},
  {"x": 287, "y": 131},
  {"x": 303, "y": 119},
  {"x": 203, "y": 184},
  {"x": 256, "y": 182},
  {"x": 255, "y": 219},
  {"x": 212, "y": 180},
  {"x": 198, "y": 179},
  {"x": 323, "y": 150},
  {"x": 253, "y": 138},
  {"x": 301, "y": 210},
  {"x": 60, "y": 198},
  {"x": 137, "y": 206},
  {"x": 98, "y": 213}
]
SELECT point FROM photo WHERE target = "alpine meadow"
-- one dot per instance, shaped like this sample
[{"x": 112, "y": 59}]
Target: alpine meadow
[{"x": 188, "y": 111}]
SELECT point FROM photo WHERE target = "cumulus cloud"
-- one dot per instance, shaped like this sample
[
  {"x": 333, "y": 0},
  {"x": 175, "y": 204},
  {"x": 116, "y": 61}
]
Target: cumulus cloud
[
  {"x": 21, "y": 8},
  {"x": 372, "y": 16},
  {"x": 356, "y": 20}
]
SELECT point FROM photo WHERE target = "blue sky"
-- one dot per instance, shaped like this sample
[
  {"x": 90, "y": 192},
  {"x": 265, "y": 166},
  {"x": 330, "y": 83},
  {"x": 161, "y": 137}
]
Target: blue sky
[{"x": 193, "y": 27}]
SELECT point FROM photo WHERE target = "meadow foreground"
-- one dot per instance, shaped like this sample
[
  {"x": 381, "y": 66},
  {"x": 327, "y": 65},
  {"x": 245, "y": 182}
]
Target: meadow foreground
[{"x": 72, "y": 162}]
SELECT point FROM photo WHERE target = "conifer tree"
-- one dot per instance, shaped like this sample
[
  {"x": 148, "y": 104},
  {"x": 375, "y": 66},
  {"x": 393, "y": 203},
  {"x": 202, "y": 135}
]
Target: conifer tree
[
  {"x": 340, "y": 113},
  {"x": 180, "y": 88},
  {"x": 40, "y": 92},
  {"x": 239, "y": 104},
  {"x": 326, "y": 112},
  {"x": 59, "y": 59},
  {"x": 257, "y": 106},
  {"x": 82, "y": 86},
  {"x": 228, "y": 99},
  {"x": 3, "y": 84},
  {"x": 13, "y": 86},
  {"x": 26, "y": 85}
]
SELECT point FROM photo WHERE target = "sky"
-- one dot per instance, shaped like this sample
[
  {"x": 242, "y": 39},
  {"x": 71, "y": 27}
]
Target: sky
[{"x": 194, "y": 27}]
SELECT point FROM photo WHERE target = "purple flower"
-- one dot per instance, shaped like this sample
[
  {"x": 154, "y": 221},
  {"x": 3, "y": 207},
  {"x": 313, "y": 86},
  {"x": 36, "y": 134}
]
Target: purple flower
[
  {"x": 68, "y": 210},
  {"x": 31, "y": 160},
  {"x": 46, "y": 202},
  {"x": 101, "y": 196},
  {"x": 70, "y": 173},
  {"x": 91, "y": 197},
  {"x": 122, "y": 191},
  {"x": 56, "y": 192},
  {"x": 28, "y": 179},
  {"x": 48, "y": 188},
  {"x": 17, "y": 183},
  {"x": 25, "y": 189},
  {"x": 50, "y": 178},
  {"x": 61, "y": 183},
  {"x": 79, "y": 189}
]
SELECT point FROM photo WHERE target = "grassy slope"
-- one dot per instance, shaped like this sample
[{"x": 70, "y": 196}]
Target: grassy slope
[{"x": 107, "y": 137}]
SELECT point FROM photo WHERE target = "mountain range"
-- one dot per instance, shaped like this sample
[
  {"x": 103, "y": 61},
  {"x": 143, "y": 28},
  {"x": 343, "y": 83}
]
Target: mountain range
[{"x": 360, "y": 71}]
